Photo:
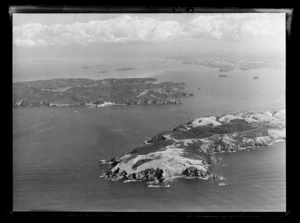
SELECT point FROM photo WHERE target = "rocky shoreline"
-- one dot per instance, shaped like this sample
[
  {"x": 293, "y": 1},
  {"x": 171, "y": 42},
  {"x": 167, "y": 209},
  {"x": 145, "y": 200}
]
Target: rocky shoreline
[
  {"x": 189, "y": 150},
  {"x": 24, "y": 103}
]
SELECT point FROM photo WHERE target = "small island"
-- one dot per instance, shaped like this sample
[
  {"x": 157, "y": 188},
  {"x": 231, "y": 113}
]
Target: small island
[
  {"x": 226, "y": 69},
  {"x": 105, "y": 69},
  {"x": 91, "y": 66},
  {"x": 189, "y": 150},
  {"x": 97, "y": 93},
  {"x": 101, "y": 71},
  {"x": 125, "y": 69},
  {"x": 223, "y": 75},
  {"x": 255, "y": 78}
]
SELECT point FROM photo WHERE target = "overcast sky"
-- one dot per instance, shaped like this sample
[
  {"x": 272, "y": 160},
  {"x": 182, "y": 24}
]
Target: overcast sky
[{"x": 54, "y": 35}]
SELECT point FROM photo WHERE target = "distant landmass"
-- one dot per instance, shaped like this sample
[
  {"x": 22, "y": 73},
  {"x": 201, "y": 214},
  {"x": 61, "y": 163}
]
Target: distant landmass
[
  {"x": 101, "y": 71},
  {"x": 226, "y": 69},
  {"x": 189, "y": 150},
  {"x": 91, "y": 66},
  {"x": 125, "y": 69},
  {"x": 255, "y": 78},
  {"x": 229, "y": 63},
  {"x": 105, "y": 69},
  {"x": 223, "y": 75},
  {"x": 97, "y": 93}
]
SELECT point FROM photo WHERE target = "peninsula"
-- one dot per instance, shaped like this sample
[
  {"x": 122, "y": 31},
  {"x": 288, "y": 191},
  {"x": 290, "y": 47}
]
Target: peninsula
[
  {"x": 97, "y": 93},
  {"x": 189, "y": 150}
]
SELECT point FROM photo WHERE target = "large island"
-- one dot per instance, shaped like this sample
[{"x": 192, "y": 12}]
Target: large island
[
  {"x": 189, "y": 150},
  {"x": 97, "y": 93}
]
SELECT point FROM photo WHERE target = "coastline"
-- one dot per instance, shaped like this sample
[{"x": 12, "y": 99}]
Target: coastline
[
  {"x": 105, "y": 104},
  {"x": 190, "y": 150},
  {"x": 74, "y": 92}
]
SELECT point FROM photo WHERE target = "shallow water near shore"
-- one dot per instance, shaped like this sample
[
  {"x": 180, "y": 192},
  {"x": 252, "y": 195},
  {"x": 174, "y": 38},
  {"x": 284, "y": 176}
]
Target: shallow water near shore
[{"x": 56, "y": 151}]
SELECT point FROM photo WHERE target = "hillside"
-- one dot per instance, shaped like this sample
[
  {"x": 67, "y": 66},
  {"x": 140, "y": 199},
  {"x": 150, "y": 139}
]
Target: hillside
[
  {"x": 80, "y": 91},
  {"x": 189, "y": 150}
]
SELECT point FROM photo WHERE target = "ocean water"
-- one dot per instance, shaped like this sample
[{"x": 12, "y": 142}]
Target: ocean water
[
  {"x": 56, "y": 150},
  {"x": 28, "y": 69}
]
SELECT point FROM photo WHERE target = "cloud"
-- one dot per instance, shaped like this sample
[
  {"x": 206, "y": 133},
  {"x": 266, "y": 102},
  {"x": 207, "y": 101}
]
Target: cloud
[
  {"x": 125, "y": 28},
  {"x": 235, "y": 27},
  {"x": 120, "y": 29}
]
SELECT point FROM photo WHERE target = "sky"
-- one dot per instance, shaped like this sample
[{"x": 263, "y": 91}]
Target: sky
[{"x": 194, "y": 34}]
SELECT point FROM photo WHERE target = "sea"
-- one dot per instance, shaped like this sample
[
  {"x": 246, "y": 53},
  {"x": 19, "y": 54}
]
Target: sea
[{"x": 56, "y": 150}]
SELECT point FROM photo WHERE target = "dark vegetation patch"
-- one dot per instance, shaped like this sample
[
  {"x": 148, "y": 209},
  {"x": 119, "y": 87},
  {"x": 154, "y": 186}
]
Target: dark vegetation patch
[
  {"x": 275, "y": 126},
  {"x": 193, "y": 172},
  {"x": 159, "y": 137},
  {"x": 179, "y": 128},
  {"x": 220, "y": 145},
  {"x": 199, "y": 132},
  {"x": 260, "y": 131},
  {"x": 140, "y": 162}
]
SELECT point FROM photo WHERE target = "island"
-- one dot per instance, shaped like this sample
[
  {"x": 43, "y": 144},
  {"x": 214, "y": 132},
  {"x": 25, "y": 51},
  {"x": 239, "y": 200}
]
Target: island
[
  {"x": 190, "y": 150},
  {"x": 97, "y": 93},
  {"x": 228, "y": 63},
  {"x": 91, "y": 66},
  {"x": 125, "y": 69},
  {"x": 223, "y": 75},
  {"x": 226, "y": 69},
  {"x": 255, "y": 78},
  {"x": 105, "y": 69},
  {"x": 101, "y": 71}
]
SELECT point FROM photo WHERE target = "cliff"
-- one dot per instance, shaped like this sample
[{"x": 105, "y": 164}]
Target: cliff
[{"x": 189, "y": 150}]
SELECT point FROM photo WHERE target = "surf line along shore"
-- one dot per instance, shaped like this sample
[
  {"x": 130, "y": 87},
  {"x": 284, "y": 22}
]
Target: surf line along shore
[{"x": 189, "y": 150}]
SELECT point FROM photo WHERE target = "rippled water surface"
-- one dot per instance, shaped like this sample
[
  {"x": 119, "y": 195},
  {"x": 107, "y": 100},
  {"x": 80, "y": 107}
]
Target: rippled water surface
[{"x": 56, "y": 151}]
